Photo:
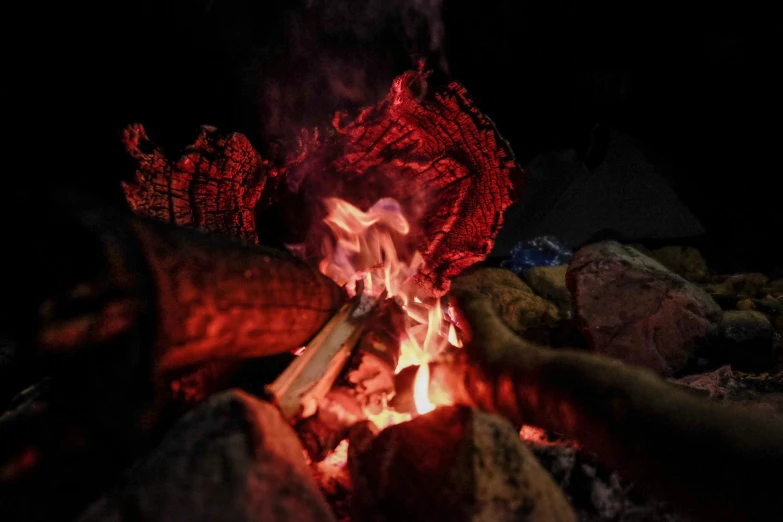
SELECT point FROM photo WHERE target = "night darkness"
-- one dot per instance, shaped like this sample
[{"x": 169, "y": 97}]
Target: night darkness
[
  {"x": 696, "y": 87},
  {"x": 113, "y": 327}
]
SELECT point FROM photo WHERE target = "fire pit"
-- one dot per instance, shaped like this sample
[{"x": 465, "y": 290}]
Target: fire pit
[{"x": 359, "y": 401}]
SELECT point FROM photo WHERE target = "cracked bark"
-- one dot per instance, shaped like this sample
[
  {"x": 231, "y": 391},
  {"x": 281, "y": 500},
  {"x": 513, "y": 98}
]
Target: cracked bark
[
  {"x": 429, "y": 148},
  {"x": 198, "y": 297}
]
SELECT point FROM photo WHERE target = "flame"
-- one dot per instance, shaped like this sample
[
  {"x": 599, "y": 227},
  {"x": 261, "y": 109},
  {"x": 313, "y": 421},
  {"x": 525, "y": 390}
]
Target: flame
[
  {"x": 366, "y": 246},
  {"x": 421, "y": 385}
]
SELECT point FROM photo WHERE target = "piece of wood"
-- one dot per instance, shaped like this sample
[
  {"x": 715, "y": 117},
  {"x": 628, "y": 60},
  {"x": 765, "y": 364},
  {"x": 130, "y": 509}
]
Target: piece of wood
[
  {"x": 428, "y": 146},
  {"x": 197, "y": 297},
  {"x": 310, "y": 376},
  {"x": 232, "y": 458},
  {"x": 455, "y": 464}
]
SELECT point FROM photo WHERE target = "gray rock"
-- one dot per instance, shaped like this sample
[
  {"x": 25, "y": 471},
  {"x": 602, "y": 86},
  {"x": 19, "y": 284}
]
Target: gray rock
[
  {"x": 634, "y": 309},
  {"x": 549, "y": 282},
  {"x": 596, "y": 492},
  {"x": 685, "y": 261},
  {"x": 740, "y": 285},
  {"x": 518, "y": 306},
  {"x": 454, "y": 464},
  {"x": 766, "y": 305},
  {"x": 747, "y": 341},
  {"x": 232, "y": 458},
  {"x": 762, "y": 392}
]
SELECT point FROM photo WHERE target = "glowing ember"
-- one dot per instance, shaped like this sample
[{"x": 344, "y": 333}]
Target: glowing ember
[{"x": 367, "y": 246}]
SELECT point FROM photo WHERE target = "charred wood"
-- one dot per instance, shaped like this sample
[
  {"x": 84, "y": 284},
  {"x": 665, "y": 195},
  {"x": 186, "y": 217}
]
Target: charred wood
[
  {"x": 203, "y": 297},
  {"x": 430, "y": 137}
]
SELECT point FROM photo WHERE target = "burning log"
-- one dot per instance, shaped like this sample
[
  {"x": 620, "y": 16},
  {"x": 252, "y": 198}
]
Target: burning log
[
  {"x": 707, "y": 457},
  {"x": 364, "y": 387},
  {"x": 215, "y": 185},
  {"x": 209, "y": 298},
  {"x": 130, "y": 317},
  {"x": 232, "y": 458},
  {"x": 454, "y": 463},
  {"x": 437, "y": 141},
  {"x": 429, "y": 148},
  {"x": 309, "y": 378}
]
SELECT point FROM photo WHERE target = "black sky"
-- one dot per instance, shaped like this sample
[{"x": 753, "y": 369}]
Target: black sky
[{"x": 698, "y": 86}]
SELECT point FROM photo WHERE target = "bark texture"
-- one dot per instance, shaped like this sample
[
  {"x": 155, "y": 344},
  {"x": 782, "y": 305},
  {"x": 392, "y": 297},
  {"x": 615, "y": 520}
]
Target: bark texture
[{"x": 429, "y": 148}]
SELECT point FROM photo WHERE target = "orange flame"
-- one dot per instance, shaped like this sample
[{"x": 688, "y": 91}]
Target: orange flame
[{"x": 364, "y": 247}]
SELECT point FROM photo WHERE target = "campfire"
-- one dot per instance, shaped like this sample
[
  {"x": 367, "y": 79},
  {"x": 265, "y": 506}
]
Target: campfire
[{"x": 311, "y": 366}]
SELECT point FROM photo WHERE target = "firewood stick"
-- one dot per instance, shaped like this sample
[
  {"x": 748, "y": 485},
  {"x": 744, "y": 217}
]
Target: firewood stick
[
  {"x": 310, "y": 376},
  {"x": 709, "y": 458}
]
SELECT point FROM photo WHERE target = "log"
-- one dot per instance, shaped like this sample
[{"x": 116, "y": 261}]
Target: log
[
  {"x": 365, "y": 386},
  {"x": 708, "y": 458},
  {"x": 454, "y": 463},
  {"x": 431, "y": 138},
  {"x": 195, "y": 297},
  {"x": 232, "y": 458}
]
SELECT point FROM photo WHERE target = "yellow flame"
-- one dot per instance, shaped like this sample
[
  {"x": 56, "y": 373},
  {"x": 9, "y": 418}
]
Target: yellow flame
[
  {"x": 421, "y": 397},
  {"x": 364, "y": 247}
]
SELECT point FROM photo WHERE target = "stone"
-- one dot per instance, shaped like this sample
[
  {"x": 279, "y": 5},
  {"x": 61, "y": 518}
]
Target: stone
[
  {"x": 762, "y": 392},
  {"x": 596, "y": 492},
  {"x": 549, "y": 282},
  {"x": 748, "y": 285},
  {"x": 454, "y": 463},
  {"x": 747, "y": 341},
  {"x": 233, "y": 457},
  {"x": 515, "y": 302},
  {"x": 685, "y": 261},
  {"x": 774, "y": 289},
  {"x": 631, "y": 307},
  {"x": 766, "y": 305}
]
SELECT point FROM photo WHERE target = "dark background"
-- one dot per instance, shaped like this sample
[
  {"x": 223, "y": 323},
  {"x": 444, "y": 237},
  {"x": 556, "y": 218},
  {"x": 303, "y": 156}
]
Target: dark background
[{"x": 696, "y": 86}]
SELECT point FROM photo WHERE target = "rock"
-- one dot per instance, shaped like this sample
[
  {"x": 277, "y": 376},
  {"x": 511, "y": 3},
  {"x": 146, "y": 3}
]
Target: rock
[
  {"x": 767, "y": 305},
  {"x": 631, "y": 307},
  {"x": 747, "y": 341},
  {"x": 596, "y": 492},
  {"x": 514, "y": 301},
  {"x": 763, "y": 392},
  {"x": 549, "y": 282},
  {"x": 232, "y": 458},
  {"x": 684, "y": 261},
  {"x": 779, "y": 324},
  {"x": 455, "y": 464},
  {"x": 774, "y": 289},
  {"x": 749, "y": 285}
]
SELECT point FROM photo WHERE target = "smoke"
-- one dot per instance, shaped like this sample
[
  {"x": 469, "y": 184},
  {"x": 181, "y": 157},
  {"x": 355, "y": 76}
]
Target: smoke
[
  {"x": 341, "y": 55},
  {"x": 364, "y": 18}
]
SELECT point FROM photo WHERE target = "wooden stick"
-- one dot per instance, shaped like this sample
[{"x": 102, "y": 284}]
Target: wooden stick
[{"x": 310, "y": 377}]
